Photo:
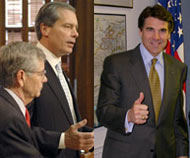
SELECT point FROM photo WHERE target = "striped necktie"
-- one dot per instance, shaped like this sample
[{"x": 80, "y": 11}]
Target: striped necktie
[
  {"x": 66, "y": 89},
  {"x": 155, "y": 88}
]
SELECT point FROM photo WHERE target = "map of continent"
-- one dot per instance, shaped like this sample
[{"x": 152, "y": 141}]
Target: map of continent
[{"x": 109, "y": 38}]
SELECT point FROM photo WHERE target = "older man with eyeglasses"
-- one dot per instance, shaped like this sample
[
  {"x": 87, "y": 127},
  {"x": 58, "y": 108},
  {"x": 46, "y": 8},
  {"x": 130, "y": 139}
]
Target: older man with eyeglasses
[{"x": 22, "y": 76}]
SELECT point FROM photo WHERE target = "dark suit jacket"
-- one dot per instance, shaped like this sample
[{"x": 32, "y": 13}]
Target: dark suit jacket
[
  {"x": 51, "y": 110},
  {"x": 17, "y": 140},
  {"x": 123, "y": 78}
]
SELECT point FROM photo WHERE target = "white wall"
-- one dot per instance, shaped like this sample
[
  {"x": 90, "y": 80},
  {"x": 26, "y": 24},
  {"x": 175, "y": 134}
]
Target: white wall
[{"x": 131, "y": 18}]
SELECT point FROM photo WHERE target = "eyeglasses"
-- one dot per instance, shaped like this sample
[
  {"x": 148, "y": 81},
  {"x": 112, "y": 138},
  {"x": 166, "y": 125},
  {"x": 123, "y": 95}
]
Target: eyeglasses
[{"x": 40, "y": 73}]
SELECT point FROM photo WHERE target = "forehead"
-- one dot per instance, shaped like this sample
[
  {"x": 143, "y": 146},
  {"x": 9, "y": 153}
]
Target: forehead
[{"x": 155, "y": 22}]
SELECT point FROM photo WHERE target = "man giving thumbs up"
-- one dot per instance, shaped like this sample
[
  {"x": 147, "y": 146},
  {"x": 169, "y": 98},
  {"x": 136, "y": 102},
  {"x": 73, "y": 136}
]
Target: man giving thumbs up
[{"x": 140, "y": 99}]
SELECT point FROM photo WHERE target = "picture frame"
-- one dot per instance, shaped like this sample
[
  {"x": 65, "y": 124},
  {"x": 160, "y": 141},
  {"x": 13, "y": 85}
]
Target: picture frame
[
  {"x": 115, "y": 3},
  {"x": 110, "y": 37}
]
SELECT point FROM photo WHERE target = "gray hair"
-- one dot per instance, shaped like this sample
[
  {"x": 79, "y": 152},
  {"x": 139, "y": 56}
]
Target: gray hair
[
  {"x": 48, "y": 15},
  {"x": 18, "y": 56}
]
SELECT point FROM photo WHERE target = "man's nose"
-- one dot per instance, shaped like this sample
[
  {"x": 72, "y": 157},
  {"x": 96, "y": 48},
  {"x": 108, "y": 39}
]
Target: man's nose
[{"x": 156, "y": 35}]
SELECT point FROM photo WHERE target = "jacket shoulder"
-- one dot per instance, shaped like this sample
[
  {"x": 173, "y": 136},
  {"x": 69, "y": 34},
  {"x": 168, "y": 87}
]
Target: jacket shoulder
[
  {"x": 174, "y": 61},
  {"x": 123, "y": 56}
]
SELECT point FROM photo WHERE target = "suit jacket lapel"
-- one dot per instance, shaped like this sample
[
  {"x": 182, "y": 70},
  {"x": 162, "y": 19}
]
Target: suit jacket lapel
[
  {"x": 78, "y": 117},
  {"x": 10, "y": 100},
  {"x": 14, "y": 104},
  {"x": 55, "y": 85},
  {"x": 140, "y": 77},
  {"x": 169, "y": 75}
]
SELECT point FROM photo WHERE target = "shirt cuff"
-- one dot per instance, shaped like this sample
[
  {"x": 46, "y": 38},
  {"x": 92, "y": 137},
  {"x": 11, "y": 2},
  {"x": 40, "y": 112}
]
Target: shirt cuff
[
  {"x": 62, "y": 141},
  {"x": 128, "y": 125}
]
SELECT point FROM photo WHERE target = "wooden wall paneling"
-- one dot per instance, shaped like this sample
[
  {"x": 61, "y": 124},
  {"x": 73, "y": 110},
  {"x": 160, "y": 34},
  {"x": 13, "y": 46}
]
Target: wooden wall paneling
[
  {"x": 46, "y": 1},
  {"x": 2, "y": 22},
  {"x": 25, "y": 20},
  {"x": 83, "y": 56}
]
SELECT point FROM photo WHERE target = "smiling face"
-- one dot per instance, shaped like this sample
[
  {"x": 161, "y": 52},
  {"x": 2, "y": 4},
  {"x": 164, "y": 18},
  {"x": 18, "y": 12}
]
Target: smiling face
[
  {"x": 61, "y": 37},
  {"x": 154, "y": 35}
]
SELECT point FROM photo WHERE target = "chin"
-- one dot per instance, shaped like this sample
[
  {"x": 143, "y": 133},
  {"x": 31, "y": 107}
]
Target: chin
[
  {"x": 69, "y": 50},
  {"x": 37, "y": 95},
  {"x": 65, "y": 53}
]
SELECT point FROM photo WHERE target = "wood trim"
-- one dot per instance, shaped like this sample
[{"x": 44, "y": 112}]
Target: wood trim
[
  {"x": 46, "y": 1},
  {"x": 84, "y": 61},
  {"x": 16, "y": 29},
  {"x": 25, "y": 20},
  {"x": 2, "y": 22}
]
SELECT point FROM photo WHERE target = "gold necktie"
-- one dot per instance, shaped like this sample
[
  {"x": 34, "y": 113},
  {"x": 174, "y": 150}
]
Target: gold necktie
[{"x": 155, "y": 88}]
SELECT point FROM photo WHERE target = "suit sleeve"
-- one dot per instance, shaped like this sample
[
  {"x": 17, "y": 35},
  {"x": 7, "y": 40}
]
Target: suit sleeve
[
  {"x": 180, "y": 124},
  {"x": 47, "y": 141},
  {"x": 17, "y": 140},
  {"x": 109, "y": 113}
]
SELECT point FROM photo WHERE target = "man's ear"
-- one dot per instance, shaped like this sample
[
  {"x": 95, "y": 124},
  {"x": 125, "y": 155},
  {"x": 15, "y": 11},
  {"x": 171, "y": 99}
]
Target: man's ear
[
  {"x": 169, "y": 35},
  {"x": 20, "y": 78},
  {"x": 140, "y": 32},
  {"x": 44, "y": 29}
]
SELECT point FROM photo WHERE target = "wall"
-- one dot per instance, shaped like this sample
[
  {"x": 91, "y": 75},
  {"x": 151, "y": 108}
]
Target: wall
[{"x": 186, "y": 24}]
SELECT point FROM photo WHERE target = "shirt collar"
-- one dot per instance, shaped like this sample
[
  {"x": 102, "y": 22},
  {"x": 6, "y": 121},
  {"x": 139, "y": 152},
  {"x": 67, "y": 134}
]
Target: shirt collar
[
  {"x": 147, "y": 57},
  {"x": 51, "y": 58}
]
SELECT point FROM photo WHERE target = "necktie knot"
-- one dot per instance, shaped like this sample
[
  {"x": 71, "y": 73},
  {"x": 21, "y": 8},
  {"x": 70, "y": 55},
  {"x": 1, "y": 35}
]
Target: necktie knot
[{"x": 154, "y": 60}]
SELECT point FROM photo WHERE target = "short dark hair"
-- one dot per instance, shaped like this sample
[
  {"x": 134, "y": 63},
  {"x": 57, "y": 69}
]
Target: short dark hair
[
  {"x": 48, "y": 14},
  {"x": 159, "y": 12}
]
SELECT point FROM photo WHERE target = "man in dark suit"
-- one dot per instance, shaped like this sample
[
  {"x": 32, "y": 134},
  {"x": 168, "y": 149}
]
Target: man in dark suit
[
  {"x": 56, "y": 109},
  {"x": 21, "y": 78},
  {"x": 139, "y": 124}
]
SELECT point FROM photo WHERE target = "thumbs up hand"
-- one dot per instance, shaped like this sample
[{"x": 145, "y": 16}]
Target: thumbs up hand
[{"x": 138, "y": 114}]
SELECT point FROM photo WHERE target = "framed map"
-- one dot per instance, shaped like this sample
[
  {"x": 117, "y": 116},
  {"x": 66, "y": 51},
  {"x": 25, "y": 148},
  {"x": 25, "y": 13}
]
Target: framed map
[{"x": 109, "y": 38}]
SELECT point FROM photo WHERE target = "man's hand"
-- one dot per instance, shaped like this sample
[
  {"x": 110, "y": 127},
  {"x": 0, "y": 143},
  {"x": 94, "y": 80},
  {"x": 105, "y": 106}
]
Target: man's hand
[
  {"x": 79, "y": 140},
  {"x": 138, "y": 114}
]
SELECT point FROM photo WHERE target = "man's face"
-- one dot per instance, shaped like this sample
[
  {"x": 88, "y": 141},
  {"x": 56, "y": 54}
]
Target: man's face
[
  {"x": 154, "y": 35},
  {"x": 62, "y": 35},
  {"x": 34, "y": 82}
]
